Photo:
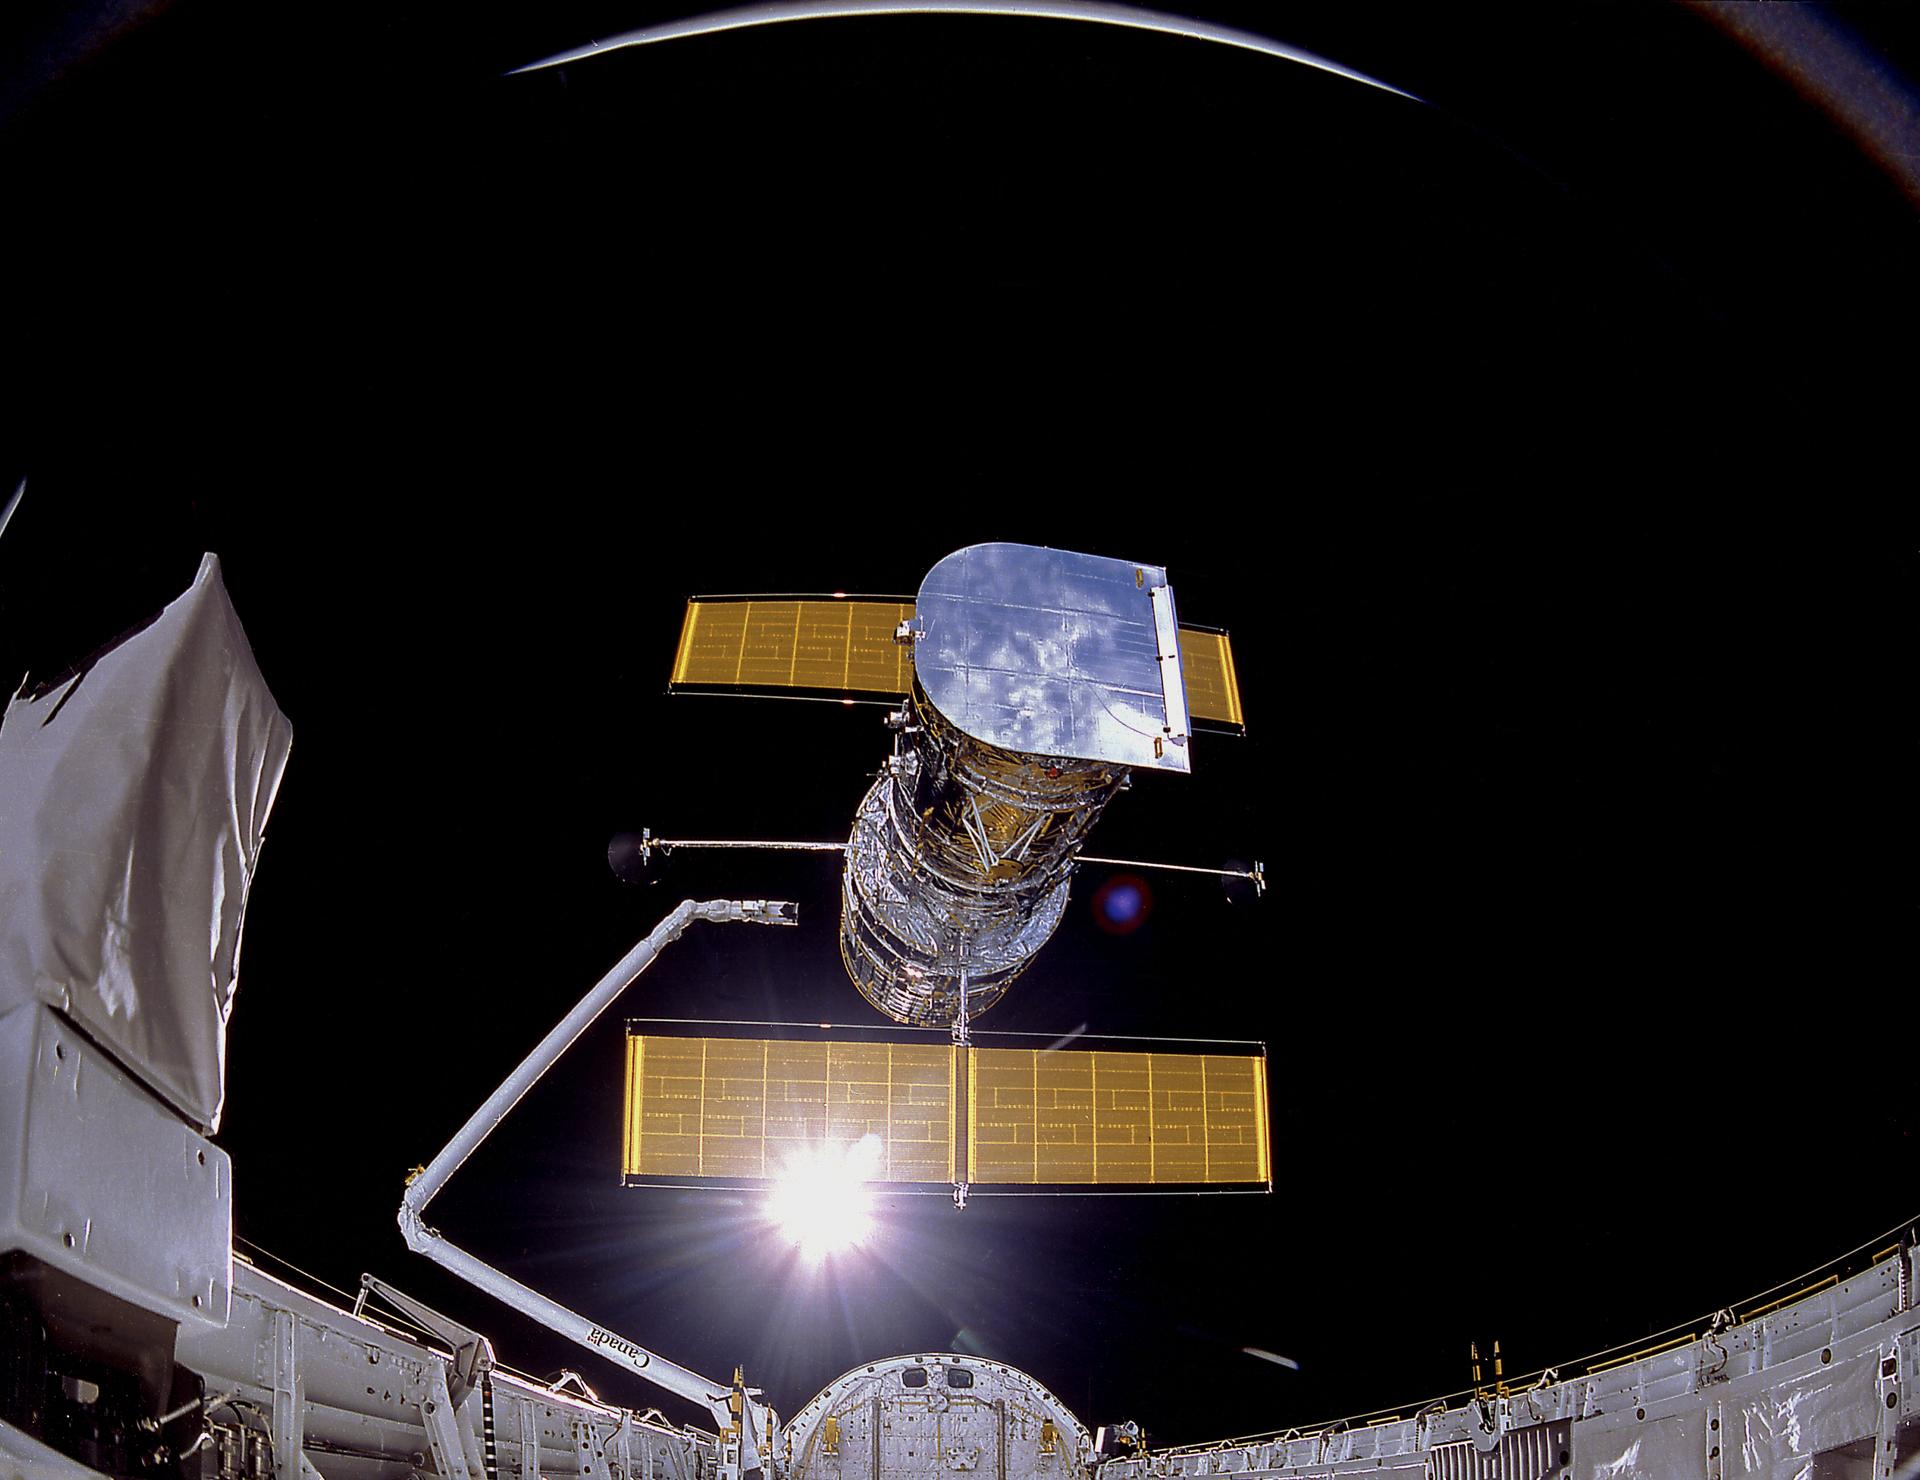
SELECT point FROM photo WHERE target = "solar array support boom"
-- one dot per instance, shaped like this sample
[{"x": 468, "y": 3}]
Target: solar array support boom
[
  {"x": 1257, "y": 875},
  {"x": 748, "y": 1427}
]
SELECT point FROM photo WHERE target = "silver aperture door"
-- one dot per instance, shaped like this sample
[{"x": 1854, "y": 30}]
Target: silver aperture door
[{"x": 1053, "y": 653}]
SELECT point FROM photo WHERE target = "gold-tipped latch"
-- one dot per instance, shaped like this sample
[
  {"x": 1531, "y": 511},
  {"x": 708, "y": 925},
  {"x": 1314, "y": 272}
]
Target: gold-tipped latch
[{"x": 1480, "y": 1390}]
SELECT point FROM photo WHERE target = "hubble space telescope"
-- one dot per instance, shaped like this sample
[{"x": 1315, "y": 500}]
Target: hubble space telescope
[{"x": 1033, "y": 683}]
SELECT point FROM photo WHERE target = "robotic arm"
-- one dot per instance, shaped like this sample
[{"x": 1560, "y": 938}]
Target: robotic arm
[{"x": 748, "y": 1428}]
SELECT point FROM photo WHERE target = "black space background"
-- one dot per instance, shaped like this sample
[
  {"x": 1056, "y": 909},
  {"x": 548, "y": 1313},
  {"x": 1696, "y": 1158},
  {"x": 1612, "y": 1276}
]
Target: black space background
[{"x": 1534, "y": 444}]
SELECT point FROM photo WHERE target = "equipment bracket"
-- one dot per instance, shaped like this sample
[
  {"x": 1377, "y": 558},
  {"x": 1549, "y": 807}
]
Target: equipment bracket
[{"x": 472, "y": 1352}]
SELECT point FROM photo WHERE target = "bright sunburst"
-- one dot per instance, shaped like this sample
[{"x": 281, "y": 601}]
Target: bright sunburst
[{"x": 821, "y": 1203}]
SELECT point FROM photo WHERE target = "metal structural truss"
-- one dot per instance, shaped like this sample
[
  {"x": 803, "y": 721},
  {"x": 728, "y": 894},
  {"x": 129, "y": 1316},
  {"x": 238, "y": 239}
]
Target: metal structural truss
[{"x": 298, "y": 1388}]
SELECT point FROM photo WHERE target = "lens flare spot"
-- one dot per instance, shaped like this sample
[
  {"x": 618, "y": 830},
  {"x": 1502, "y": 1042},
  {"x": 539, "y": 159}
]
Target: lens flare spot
[
  {"x": 821, "y": 1203},
  {"x": 1122, "y": 904}
]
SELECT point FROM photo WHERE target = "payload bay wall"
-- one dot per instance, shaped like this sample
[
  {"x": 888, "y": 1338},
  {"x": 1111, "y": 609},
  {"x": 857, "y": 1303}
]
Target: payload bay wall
[
  {"x": 359, "y": 1401},
  {"x": 1823, "y": 1388},
  {"x": 334, "y": 1396}
]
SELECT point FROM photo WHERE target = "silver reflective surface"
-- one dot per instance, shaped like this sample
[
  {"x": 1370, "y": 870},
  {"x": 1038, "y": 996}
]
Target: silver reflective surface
[
  {"x": 1051, "y": 653},
  {"x": 925, "y": 898}
]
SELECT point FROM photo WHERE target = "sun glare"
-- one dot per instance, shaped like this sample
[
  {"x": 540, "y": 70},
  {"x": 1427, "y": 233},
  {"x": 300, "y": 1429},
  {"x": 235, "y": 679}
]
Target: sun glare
[{"x": 820, "y": 1202}]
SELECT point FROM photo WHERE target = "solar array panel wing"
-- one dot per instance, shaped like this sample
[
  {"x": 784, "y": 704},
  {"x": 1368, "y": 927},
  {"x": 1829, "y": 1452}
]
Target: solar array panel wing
[
  {"x": 1099, "y": 1118},
  {"x": 842, "y": 646},
  {"x": 1213, "y": 688},
  {"x": 737, "y": 1109},
  {"x": 825, "y": 645},
  {"x": 734, "y": 1108}
]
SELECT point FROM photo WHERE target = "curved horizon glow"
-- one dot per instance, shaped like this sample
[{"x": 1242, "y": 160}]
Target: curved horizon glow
[
  {"x": 1095, "y": 12},
  {"x": 820, "y": 1201},
  {"x": 1861, "y": 90}
]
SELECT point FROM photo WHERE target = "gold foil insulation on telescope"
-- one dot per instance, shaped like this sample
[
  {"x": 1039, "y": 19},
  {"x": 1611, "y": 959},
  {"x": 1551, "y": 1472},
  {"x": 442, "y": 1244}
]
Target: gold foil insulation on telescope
[
  {"x": 845, "y": 646},
  {"x": 732, "y": 1109}
]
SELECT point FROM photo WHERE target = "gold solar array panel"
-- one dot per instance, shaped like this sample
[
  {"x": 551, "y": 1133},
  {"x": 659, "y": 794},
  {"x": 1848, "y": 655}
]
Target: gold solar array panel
[
  {"x": 737, "y": 1107},
  {"x": 1213, "y": 688},
  {"x": 1101, "y": 1118},
  {"x": 844, "y": 646},
  {"x": 824, "y": 645}
]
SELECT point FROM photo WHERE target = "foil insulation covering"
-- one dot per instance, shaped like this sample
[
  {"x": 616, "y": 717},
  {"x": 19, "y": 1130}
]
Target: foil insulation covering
[
  {"x": 958, "y": 865},
  {"x": 148, "y": 774}
]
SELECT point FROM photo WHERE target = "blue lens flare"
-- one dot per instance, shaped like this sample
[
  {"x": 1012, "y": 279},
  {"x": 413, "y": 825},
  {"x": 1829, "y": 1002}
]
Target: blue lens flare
[{"x": 1122, "y": 904}]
